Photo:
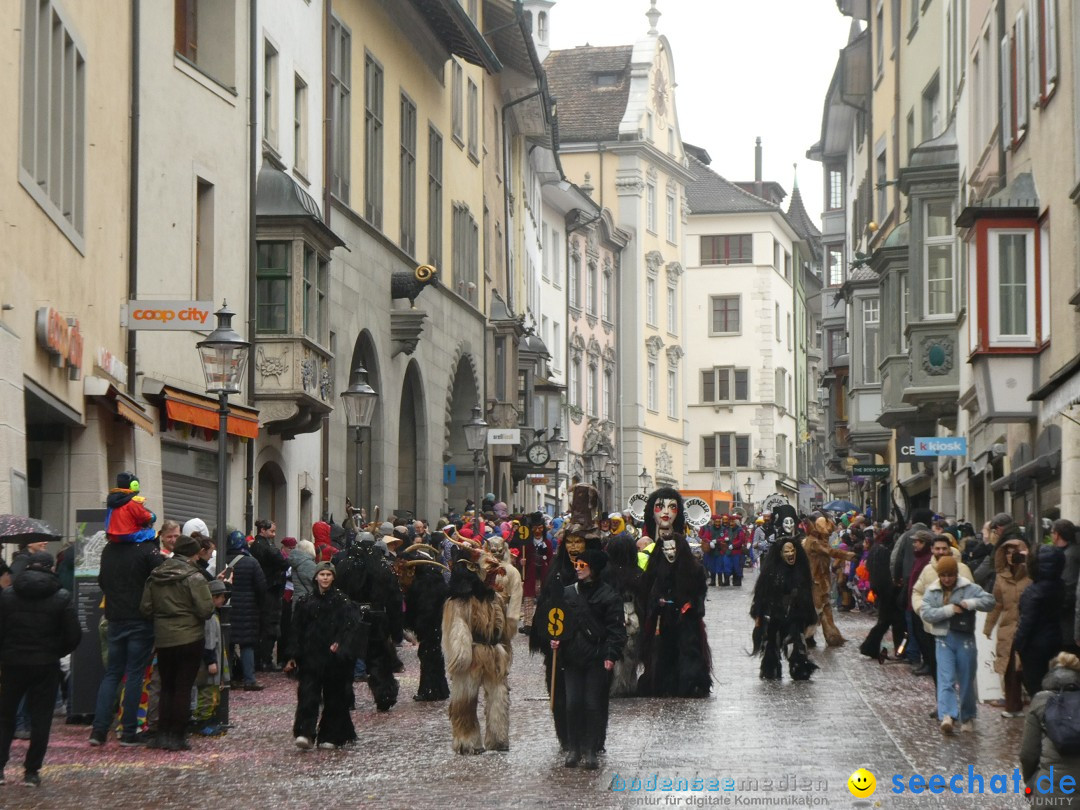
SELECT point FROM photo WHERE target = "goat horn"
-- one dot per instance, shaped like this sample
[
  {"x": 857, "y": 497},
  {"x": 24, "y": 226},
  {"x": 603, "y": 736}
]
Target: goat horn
[
  {"x": 411, "y": 563},
  {"x": 422, "y": 547}
]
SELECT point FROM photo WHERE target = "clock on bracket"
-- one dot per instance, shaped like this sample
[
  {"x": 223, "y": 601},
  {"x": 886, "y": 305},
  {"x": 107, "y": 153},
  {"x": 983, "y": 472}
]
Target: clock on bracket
[{"x": 538, "y": 454}]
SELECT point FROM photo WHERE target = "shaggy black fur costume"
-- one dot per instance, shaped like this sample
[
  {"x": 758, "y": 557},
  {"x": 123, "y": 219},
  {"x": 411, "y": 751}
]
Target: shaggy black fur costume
[
  {"x": 782, "y": 608},
  {"x": 424, "y": 601},
  {"x": 367, "y": 579},
  {"x": 625, "y": 576},
  {"x": 675, "y": 648}
]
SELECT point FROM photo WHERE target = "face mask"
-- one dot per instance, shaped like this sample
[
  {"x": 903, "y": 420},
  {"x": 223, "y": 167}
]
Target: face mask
[
  {"x": 669, "y": 550},
  {"x": 574, "y": 546},
  {"x": 789, "y": 553},
  {"x": 789, "y": 525}
]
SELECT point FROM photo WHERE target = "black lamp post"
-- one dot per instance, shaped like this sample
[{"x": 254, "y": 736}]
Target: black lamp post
[
  {"x": 749, "y": 487},
  {"x": 645, "y": 480},
  {"x": 596, "y": 460},
  {"x": 476, "y": 441},
  {"x": 224, "y": 356},
  {"x": 359, "y": 401},
  {"x": 557, "y": 446}
]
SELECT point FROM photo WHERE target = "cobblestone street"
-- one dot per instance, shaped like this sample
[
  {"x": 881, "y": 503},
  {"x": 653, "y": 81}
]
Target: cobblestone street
[{"x": 806, "y": 737}]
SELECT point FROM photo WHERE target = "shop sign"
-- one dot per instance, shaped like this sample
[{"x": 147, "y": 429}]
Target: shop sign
[
  {"x": 172, "y": 316},
  {"x": 940, "y": 446},
  {"x": 504, "y": 436},
  {"x": 61, "y": 338},
  {"x": 111, "y": 365}
]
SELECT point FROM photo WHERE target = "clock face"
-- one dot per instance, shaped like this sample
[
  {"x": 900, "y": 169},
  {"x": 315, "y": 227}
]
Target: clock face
[
  {"x": 538, "y": 454},
  {"x": 660, "y": 94}
]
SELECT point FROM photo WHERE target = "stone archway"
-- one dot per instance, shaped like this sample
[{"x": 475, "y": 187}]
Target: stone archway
[
  {"x": 413, "y": 456},
  {"x": 371, "y": 489},
  {"x": 464, "y": 394},
  {"x": 273, "y": 496}
]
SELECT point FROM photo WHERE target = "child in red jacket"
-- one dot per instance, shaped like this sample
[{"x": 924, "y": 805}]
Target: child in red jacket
[{"x": 127, "y": 520}]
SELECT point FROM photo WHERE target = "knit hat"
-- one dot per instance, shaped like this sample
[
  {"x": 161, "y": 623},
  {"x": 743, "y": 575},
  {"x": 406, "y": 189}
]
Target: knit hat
[
  {"x": 386, "y": 529},
  {"x": 595, "y": 559},
  {"x": 193, "y": 526},
  {"x": 946, "y": 566},
  {"x": 186, "y": 546},
  {"x": 288, "y": 542},
  {"x": 325, "y": 566},
  {"x": 237, "y": 541},
  {"x": 217, "y": 587}
]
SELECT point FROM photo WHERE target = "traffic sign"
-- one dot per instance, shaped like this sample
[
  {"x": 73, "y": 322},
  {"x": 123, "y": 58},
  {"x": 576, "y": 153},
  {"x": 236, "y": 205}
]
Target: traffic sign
[{"x": 871, "y": 470}]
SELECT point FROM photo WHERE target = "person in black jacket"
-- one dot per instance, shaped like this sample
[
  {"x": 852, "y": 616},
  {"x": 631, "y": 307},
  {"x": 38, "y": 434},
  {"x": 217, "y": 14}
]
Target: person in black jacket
[
  {"x": 889, "y": 614},
  {"x": 1038, "y": 634},
  {"x": 248, "y": 602},
  {"x": 122, "y": 575},
  {"x": 274, "y": 566},
  {"x": 594, "y": 640},
  {"x": 38, "y": 627}
]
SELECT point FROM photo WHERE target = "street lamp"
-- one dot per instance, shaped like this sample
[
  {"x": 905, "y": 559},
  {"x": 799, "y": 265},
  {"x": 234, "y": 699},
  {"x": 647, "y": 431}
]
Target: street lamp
[
  {"x": 359, "y": 401},
  {"x": 645, "y": 480},
  {"x": 476, "y": 441},
  {"x": 596, "y": 461},
  {"x": 749, "y": 487},
  {"x": 759, "y": 462},
  {"x": 557, "y": 446},
  {"x": 224, "y": 356}
]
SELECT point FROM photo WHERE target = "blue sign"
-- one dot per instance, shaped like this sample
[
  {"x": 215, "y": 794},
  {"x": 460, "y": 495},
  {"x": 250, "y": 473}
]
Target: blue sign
[
  {"x": 941, "y": 446},
  {"x": 449, "y": 474}
]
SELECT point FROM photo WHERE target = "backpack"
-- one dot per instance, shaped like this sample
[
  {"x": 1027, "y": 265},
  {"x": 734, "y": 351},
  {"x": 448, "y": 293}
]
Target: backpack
[{"x": 1062, "y": 721}]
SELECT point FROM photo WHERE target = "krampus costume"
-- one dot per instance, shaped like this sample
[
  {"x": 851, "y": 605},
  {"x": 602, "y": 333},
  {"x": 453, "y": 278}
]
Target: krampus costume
[
  {"x": 783, "y": 604},
  {"x": 366, "y": 578},
  {"x": 625, "y": 577},
  {"x": 675, "y": 649},
  {"x": 821, "y": 555},
  {"x": 421, "y": 578},
  {"x": 579, "y": 533},
  {"x": 476, "y": 640},
  {"x": 508, "y": 582}
]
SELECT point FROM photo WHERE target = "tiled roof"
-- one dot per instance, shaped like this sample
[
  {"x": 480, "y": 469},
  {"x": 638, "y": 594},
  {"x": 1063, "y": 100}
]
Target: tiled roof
[
  {"x": 710, "y": 193},
  {"x": 799, "y": 219},
  {"x": 862, "y": 273},
  {"x": 586, "y": 109}
]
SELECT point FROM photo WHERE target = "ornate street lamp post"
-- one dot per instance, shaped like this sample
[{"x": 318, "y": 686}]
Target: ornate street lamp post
[
  {"x": 359, "y": 401},
  {"x": 224, "y": 356},
  {"x": 476, "y": 441},
  {"x": 645, "y": 480},
  {"x": 557, "y": 446}
]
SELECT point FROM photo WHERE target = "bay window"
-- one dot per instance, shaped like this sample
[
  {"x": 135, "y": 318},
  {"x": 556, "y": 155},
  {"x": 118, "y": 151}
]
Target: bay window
[
  {"x": 1011, "y": 287},
  {"x": 938, "y": 260}
]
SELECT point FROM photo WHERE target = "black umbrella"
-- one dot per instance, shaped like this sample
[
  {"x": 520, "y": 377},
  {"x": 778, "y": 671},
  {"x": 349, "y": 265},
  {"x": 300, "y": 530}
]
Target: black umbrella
[{"x": 22, "y": 529}]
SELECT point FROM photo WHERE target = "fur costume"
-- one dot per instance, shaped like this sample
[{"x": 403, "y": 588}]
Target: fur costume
[
  {"x": 625, "y": 576},
  {"x": 508, "y": 582},
  {"x": 366, "y": 578},
  {"x": 476, "y": 638},
  {"x": 782, "y": 608},
  {"x": 579, "y": 533},
  {"x": 425, "y": 590},
  {"x": 676, "y": 653},
  {"x": 821, "y": 555}
]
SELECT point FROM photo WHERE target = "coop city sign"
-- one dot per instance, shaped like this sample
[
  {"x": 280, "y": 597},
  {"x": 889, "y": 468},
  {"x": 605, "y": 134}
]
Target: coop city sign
[{"x": 173, "y": 316}]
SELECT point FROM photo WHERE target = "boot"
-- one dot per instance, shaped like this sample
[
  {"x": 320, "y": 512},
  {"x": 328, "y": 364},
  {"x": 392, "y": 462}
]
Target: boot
[
  {"x": 724, "y": 580},
  {"x": 588, "y": 762},
  {"x": 572, "y": 759},
  {"x": 712, "y": 580}
]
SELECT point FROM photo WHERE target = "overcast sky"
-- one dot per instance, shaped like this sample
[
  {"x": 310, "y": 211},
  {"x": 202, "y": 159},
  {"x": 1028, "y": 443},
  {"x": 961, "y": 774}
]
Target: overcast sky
[{"x": 743, "y": 68}]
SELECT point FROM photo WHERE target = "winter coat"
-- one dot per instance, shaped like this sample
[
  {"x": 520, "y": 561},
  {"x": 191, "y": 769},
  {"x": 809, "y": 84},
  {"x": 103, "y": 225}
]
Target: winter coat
[
  {"x": 919, "y": 562},
  {"x": 595, "y": 628},
  {"x": 986, "y": 569},
  {"x": 1009, "y": 584},
  {"x": 122, "y": 576},
  {"x": 1037, "y": 753},
  {"x": 320, "y": 620},
  {"x": 881, "y": 580},
  {"x": 303, "y": 572},
  {"x": 177, "y": 597},
  {"x": 929, "y": 575},
  {"x": 38, "y": 625},
  {"x": 247, "y": 601},
  {"x": 1069, "y": 629},
  {"x": 1039, "y": 630},
  {"x": 320, "y": 536},
  {"x": 273, "y": 564},
  {"x": 937, "y": 613},
  {"x": 126, "y": 519},
  {"x": 903, "y": 554}
]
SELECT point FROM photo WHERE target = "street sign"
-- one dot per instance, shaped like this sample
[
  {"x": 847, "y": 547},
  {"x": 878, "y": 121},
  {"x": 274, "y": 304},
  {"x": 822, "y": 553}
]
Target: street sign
[
  {"x": 940, "y": 446},
  {"x": 871, "y": 470},
  {"x": 175, "y": 316},
  {"x": 504, "y": 436},
  {"x": 449, "y": 474}
]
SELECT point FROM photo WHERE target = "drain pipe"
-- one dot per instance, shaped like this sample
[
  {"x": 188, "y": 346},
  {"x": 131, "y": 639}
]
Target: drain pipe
[
  {"x": 506, "y": 192},
  {"x": 253, "y": 166},
  {"x": 133, "y": 197}
]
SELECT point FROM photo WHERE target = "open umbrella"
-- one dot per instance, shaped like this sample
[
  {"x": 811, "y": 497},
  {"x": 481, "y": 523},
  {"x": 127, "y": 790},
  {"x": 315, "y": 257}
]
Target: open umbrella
[
  {"x": 22, "y": 529},
  {"x": 840, "y": 506}
]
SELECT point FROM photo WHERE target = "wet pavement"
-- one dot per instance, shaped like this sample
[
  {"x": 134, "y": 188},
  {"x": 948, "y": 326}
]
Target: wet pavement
[{"x": 783, "y": 745}]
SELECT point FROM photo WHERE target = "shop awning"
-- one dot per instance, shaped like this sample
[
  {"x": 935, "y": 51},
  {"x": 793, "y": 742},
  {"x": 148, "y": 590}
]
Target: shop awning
[
  {"x": 192, "y": 409},
  {"x": 113, "y": 399}
]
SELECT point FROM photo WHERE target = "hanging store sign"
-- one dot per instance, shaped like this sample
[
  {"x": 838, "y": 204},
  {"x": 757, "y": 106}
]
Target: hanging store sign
[
  {"x": 941, "y": 446},
  {"x": 171, "y": 316},
  {"x": 61, "y": 338},
  {"x": 504, "y": 436},
  {"x": 110, "y": 365}
]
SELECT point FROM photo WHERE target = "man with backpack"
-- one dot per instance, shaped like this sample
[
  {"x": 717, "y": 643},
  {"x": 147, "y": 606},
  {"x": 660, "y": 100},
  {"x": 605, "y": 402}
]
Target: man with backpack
[{"x": 1051, "y": 743}]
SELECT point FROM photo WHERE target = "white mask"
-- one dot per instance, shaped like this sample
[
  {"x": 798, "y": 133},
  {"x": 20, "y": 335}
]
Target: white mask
[
  {"x": 669, "y": 549},
  {"x": 789, "y": 525}
]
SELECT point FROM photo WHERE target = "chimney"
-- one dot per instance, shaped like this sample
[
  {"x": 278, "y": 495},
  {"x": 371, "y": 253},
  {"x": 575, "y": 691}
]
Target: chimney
[{"x": 758, "y": 188}]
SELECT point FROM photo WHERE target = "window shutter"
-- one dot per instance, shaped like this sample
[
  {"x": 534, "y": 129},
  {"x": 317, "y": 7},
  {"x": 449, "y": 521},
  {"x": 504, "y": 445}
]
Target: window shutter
[
  {"x": 1051, "y": 52},
  {"x": 1034, "y": 61},
  {"x": 1020, "y": 80},
  {"x": 1006, "y": 93}
]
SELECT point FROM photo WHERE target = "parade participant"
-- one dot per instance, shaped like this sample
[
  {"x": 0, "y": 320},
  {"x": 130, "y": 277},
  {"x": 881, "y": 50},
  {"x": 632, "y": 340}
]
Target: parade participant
[
  {"x": 624, "y": 575},
  {"x": 534, "y": 557},
  {"x": 676, "y": 650},
  {"x": 476, "y": 639},
  {"x": 127, "y": 520},
  {"x": 364, "y": 575},
  {"x": 508, "y": 582},
  {"x": 713, "y": 548},
  {"x": 594, "y": 640},
  {"x": 736, "y": 547},
  {"x": 783, "y": 605},
  {"x": 425, "y": 590},
  {"x": 821, "y": 555},
  {"x": 762, "y": 537},
  {"x": 578, "y": 533},
  {"x": 274, "y": 566},
  {"x": 327, "y": 636},
  {"x": 890, "y": 615}
]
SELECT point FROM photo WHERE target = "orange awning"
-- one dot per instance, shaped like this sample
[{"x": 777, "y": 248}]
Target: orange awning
[{"x": 190, "y": 409}]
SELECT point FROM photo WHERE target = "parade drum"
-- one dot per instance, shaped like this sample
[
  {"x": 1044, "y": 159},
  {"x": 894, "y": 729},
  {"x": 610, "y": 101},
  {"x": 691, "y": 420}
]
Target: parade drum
[
  {"x": 636, "y": 505},
  {"x": 698, "y": 512}
]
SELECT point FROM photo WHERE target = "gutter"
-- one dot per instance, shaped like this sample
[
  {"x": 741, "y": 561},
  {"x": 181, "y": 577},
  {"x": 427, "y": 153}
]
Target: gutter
[
  {"x": 253, "y": 161},
  {"x": 133, "y": 195}
]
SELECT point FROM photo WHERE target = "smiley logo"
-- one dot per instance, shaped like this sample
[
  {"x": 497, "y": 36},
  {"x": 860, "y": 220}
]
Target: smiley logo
[{"x": 862, "y": 783}]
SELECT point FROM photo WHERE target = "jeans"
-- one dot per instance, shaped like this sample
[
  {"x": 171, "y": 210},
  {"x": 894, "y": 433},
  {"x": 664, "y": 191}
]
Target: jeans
[
  {"x": 912, "y": 652},
  {"x": 956, "y": 663},
  {"x": 131, "y": 645},
  {"x": 247, "y": 662},
  {"x": 38, "y": 682}
]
